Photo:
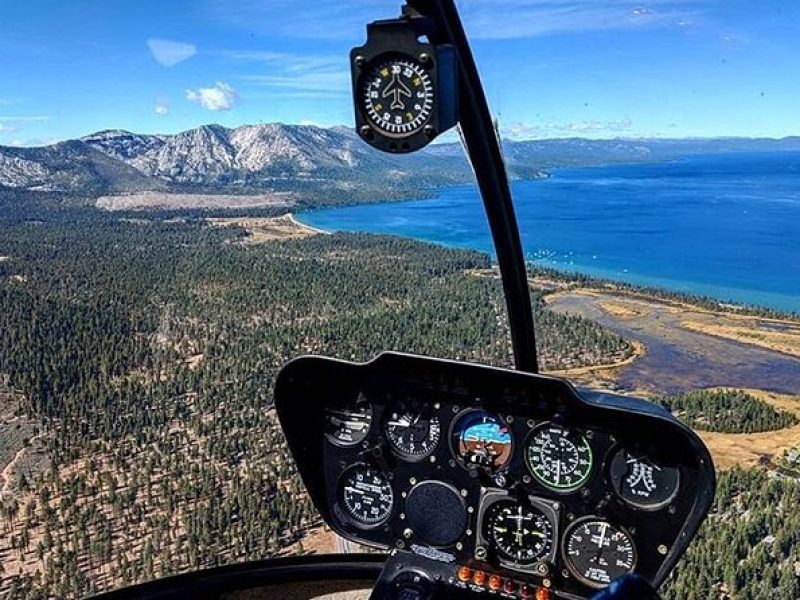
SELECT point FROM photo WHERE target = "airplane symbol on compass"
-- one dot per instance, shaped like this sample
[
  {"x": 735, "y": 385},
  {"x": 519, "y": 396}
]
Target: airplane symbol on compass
[{"x": 397, "y": 89}]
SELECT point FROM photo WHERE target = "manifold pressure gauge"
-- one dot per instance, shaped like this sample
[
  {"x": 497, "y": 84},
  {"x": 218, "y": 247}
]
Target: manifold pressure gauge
[{"x": 404, "y": 90}]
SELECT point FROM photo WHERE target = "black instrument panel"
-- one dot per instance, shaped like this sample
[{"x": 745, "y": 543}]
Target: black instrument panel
[{"x": 515, "y": 481}]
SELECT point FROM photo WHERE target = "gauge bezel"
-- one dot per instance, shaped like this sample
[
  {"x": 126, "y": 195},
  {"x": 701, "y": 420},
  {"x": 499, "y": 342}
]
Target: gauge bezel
[
  {"x": 568, "y": 560},
  {"x": 537, "y": 478},
  {"x": 612, "y": 454},
  {"x": 457, "y": 455},
  {"x": 399, "y": 452},
  {"x": 429, "y": 104},
  {"x": 549, "y": 508},
  {"x": 341, "y": 506},
  {"x": 342, "y": 444}
]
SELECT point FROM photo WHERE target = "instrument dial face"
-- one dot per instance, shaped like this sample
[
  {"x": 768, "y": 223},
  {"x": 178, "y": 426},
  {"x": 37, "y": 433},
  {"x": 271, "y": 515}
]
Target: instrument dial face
[
  {"x": 520, "y": 533},
  {"x": 412, "y": 429},
  {"x": 641, "y": 482},
  {"x": 597, "y": 553},
  {"x": 480, "y": 439},
  {"x": 398, "y": 95},
  {"x": 558, "y": 458},
  {"x": 350, "y": 425},
  {"x": 366, "y": 495}
]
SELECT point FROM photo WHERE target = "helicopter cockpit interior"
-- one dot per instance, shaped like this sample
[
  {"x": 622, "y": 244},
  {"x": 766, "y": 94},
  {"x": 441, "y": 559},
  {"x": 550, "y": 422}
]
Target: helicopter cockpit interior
[{"x": 469, "y": 481}]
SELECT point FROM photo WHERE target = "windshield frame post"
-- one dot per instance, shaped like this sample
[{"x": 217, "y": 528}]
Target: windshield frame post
[{"x": 483, "y": 147}]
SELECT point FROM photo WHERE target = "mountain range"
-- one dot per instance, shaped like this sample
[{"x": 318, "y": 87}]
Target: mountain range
[{"x": 322, "y": 165}]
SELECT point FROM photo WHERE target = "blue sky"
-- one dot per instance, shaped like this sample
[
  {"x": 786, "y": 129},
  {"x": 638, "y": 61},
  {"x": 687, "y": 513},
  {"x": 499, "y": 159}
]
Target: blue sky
[{"x": 552, "y": 68}]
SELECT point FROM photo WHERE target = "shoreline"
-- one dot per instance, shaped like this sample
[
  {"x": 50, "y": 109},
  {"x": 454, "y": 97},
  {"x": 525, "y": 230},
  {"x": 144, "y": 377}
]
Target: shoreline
[{"x": 293, "y": 218}]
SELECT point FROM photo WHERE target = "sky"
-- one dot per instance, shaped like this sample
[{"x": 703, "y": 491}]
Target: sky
[{"x": 551, "y": 68}]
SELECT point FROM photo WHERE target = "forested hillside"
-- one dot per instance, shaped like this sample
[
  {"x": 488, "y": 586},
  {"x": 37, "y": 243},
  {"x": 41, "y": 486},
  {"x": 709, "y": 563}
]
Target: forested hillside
[{"x": 146, "y": 349}]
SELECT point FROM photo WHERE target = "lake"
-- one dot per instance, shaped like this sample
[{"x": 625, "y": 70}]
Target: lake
[{"x": 726, "y": 226}]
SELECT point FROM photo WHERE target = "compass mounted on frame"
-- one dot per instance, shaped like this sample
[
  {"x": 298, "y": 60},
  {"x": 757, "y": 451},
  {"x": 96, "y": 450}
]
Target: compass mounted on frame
[{"x": 404, "y": 89}]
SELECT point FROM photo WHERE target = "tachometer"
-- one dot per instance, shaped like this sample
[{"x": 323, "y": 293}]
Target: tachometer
[
  {"x": 480, "y": 439},
  {"x": 365, "y": 495},
  {"x": 597, "y": 552},
  {"x": 412, "y": 429},
  {"x": 642, "y": 482},
  {"x": 350, "y": 425},
  {"x": 520, "y": 533},
  {"x": 558, "y": 458}
]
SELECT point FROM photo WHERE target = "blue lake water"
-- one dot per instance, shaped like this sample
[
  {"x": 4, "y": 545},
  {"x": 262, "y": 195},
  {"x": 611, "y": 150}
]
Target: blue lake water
[{"x": 726, "y": 226}]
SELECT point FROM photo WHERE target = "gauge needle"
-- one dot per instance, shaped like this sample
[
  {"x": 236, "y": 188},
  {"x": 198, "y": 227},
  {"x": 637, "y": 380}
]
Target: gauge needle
[
  {"x": 353, "y": 490},
  {"x": 350, "y": 424},
  {"x": 403, "y": 422}
]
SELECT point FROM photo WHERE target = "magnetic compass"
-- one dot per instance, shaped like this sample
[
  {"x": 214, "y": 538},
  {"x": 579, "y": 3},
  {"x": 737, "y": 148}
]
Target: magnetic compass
[
  {"x": 404, "y": 90},
  {"x": 398, "y": 95}
]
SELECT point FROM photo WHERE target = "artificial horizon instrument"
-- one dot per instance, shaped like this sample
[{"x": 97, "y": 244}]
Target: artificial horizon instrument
[{"x": 471, "y": 481}]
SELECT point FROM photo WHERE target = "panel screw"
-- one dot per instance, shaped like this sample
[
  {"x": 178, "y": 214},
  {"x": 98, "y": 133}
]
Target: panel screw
[
  {"x": 424, "y": 58},
  {"x": 480, "y": 552},
  {"x": 459, "y": 546},
  {"x": 565, "y": 573},
  {"x": 433, "y": 459},
  {"x": 366, "y": 131},
  {"x": 360, "y": 60},
  {"x": 510, "y": 419},
  {"x": 464, "y": 493},
  {"x": 662, "y": 549},
  {"x": 412, "y": 481},
  {"x": 407, "y": 533},
  {"x": 430, "y": 130}
]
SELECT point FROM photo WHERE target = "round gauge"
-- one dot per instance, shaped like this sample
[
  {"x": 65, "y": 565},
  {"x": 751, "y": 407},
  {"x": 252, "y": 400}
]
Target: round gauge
[
  {"x": 398, "y": 95},
  {"x": 597, "y": 553},
  {"x": 350, "y": 425},
  {"x": 366, "y": 495},
  {"x": 641, "y": 482},
  {"x": 480, "y": 439},
  {"x": 520, "y": 533},
  {"x": 412, "y": 429},
  {"x": 558, "y": 458}
]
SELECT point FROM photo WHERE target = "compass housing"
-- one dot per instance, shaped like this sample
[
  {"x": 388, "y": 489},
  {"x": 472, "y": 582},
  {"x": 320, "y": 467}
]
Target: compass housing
[{"x": 404, "y": 90}]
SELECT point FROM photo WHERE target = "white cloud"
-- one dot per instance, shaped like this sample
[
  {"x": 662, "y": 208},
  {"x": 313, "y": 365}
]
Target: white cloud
[
  {"x": 6, "y": 128},
  {"x": 220, "y": 96},
  {"x": 162, "y": 108},
  {"x": 170, "y": 53}
]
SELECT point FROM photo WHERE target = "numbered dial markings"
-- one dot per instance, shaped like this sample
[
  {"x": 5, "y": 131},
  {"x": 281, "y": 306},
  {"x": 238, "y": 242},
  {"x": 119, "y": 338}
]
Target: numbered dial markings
[
  {"x": 558, "y": 458},
  {"x": 412, "y": 429},
  {"x": 350, "y": 425},
  {"x": 365, "y": 495},
  {"x": 398, "y": 96},
  {"x": 519, "y": 533},
  {"x": 597, "y": 553},
  {"x": 641, "y": 482}
]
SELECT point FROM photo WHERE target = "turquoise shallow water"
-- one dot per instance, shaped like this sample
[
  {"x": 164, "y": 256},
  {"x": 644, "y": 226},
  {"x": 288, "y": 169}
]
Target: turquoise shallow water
[{"x": 727, "y": 226}]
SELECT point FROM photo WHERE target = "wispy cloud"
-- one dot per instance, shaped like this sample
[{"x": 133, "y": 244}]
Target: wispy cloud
[
  {"x": 509, "y": 19},
  {"x": 484, "y": 19},
  {"x": 170, "y": 53},
  {"x": 296, "y": 74},
  {"x": 6, "y": 128},
  {"x": 219, "y": 96},
  {"x": 527, "y": 131}
]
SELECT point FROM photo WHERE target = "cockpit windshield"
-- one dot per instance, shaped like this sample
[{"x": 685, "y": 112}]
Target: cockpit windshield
[{"x": 195, "y": 193}]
